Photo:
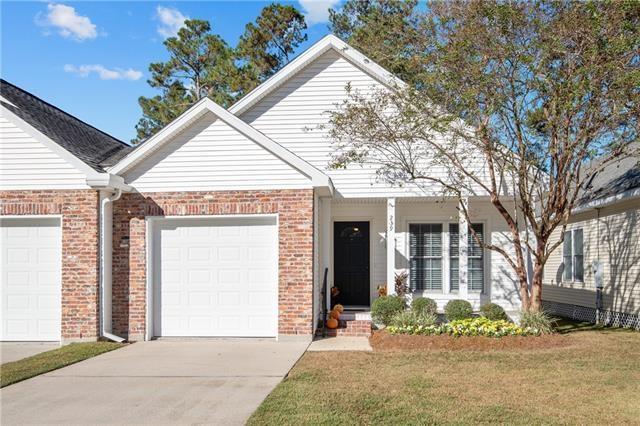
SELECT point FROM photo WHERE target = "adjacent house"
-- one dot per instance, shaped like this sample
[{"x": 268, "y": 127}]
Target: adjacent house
[
  {"x": 604, "y": 229},
  {"x": 52, "y": 183},
  {"x": 225, "y": 222}
]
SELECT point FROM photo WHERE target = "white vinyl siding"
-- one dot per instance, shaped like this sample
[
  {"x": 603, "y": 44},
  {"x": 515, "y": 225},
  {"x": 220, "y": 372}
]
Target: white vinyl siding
[
  {"x": 293, "y": 116},
  {"x": 612, "y": 238},
  {"x": 26, "y": 163},
  {"x": 211, "y": 155}
]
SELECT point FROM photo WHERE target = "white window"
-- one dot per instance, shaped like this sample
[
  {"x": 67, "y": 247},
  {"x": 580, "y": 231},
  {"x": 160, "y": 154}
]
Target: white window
[
  {"x": 572, "y": 255},
  {"x": 425, "y": 247}
]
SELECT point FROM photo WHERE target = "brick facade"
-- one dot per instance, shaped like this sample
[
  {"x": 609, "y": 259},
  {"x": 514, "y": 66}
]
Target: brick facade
[
  {"x": 295, "y": 221},
  {"x": 80, "y": 251}
]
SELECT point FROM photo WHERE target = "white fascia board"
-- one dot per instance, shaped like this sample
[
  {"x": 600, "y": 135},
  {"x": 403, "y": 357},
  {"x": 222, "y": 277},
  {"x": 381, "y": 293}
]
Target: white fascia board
[
  {"x": 83, "y": 167},
  {"x": 607, "y": 201},
  {"x": 318, "y": 178},
  {"x": 108, "y": 181},
  {"x": 328, "y": 42},
  {"x": 156, "y": 140}
]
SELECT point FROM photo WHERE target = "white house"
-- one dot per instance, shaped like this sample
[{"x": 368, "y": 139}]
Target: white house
[{"x": 224, "y": 222}]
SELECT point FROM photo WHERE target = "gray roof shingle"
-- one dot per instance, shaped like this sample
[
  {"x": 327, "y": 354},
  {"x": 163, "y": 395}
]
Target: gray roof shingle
[
  {"x": 94, "y": 147},
  {"x": 616, "y": 178}
]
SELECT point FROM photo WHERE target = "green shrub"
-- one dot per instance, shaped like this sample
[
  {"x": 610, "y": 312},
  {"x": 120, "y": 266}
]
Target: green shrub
[
  {"x": 458, "y": 309},
  {"x": 540, "y": 321},
  {"x": 493, "y": 312},
  {"x": 424, "y": 305},
  {"x": 412, "y": 319},
  {"x": 480, "y": 326},
  {"x": 385, "y": 307}
]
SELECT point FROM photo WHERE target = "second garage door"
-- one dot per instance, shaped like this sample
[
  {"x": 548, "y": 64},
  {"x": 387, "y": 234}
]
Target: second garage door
[
  {"x": 215, "y": 277},
  {"x": 30, "y": 279}
]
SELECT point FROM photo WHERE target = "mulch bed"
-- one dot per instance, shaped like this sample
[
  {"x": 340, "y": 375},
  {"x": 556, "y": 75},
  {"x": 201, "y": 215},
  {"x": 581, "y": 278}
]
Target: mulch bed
[{"x": 384, "y": 341}]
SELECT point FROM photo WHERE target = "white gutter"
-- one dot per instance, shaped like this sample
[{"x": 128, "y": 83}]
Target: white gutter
[
  {"x": 607, "y": 201},
  {"x": 106, "y": 250}
]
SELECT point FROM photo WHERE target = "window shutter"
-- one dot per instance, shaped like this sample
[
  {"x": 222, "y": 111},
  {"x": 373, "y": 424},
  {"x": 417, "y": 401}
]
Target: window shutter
[
  {"x": 475, "y": 261},
  {"x": 454, "y": 256}
]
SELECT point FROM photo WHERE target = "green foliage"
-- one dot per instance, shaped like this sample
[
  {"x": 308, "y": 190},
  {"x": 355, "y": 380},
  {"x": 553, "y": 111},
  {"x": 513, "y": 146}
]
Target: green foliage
[
  {"x": 493, "y": 312},
  {"x": 387, "y": 30},
  {"x": 544, "y": 86},
  {"x": 201, "y": 64},
  {"x": 424, "y": 305},
  {"x": 479, "y": 326},
  {"x": 458, "y": 309},
  {"x": 411, "y": 318},
  {"x": 385, "y": 307},
  {"x": 267, "y": 44},
  {"x": 540, "y": 321}
]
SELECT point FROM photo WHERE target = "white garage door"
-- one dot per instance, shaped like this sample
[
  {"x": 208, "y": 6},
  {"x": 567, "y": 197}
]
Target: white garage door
[
  {"x": 30, "y": 259},
  {"x": 215, "y": 277}
]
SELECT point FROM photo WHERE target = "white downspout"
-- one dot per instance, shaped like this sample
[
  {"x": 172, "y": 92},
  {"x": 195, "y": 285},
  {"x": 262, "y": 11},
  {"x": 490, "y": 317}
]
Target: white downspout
[{"x": 106, "y": 250}]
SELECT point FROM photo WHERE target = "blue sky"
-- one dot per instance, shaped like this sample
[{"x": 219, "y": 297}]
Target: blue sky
[{"x": 91, "y": 58}]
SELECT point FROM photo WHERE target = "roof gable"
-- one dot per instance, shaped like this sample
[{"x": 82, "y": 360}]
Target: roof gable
[
  {"x": 190, "y": 118},
  {"x": 329, "y": 42},
  {"x": 94, "y": 147}
]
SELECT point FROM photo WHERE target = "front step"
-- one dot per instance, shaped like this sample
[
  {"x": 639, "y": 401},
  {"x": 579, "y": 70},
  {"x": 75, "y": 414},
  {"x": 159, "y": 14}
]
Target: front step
[{"x": 351, "y": 324}]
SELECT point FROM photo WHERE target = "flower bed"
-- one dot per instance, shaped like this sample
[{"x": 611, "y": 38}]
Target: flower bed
[{"x": 480, "y": 326}]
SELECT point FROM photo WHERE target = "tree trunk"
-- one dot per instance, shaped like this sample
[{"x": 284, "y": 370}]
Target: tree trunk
[
  {"x": 536, "y": 288},
  {"x": 524, "y": 288},
  {"x": 538, "y": 271}
]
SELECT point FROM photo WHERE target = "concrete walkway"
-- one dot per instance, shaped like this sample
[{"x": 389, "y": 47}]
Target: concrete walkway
[
  {"x": 340, "y": 344},
  {"x": 160, "y": 382},
  {"x": 13, "y": 351}
]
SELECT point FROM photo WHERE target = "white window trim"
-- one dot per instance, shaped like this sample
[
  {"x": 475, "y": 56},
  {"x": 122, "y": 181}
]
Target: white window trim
[
  {"x": 446, "y": 291},
  {"x": 573, "y": 279},
  {"x": 443, "y": 255}
]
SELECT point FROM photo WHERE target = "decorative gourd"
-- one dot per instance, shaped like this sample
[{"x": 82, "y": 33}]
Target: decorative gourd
[
  {"x": 332, "y": 323},
  {"x": 334, "y": 314},
  {"x": 339, "y": 308}
]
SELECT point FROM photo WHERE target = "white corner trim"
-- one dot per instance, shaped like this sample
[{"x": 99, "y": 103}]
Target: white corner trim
[
  {"x": 318, "y": 178},
  {"x": 323, "y": 45},
  {"x": 49, "y": 143}
]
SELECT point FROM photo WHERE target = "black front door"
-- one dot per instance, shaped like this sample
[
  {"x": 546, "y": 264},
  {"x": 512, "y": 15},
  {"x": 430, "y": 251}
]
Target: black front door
[{"x": 351, "y": 262}]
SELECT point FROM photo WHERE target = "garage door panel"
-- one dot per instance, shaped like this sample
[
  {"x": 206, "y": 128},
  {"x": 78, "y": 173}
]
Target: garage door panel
[
  {"x": 220, "y": 274},
  {"x": 30, "y": 279}
]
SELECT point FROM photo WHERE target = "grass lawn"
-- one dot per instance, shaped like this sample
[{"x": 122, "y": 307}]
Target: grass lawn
[
  {"x": 16, "y": 371},
  {"x": 593, "y": 378}
]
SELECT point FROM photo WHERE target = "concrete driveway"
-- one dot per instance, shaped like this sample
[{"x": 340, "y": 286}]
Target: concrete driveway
[
  {"x": 13, "y": 351},
  {"x": 166, "y": 381}
]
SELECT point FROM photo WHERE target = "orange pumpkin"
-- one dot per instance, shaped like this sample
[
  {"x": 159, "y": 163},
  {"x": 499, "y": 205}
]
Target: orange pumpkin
[
  {"x": 334, "y": 314},
  {"x": 332, "y": 323},
  {"x": 339, "y": 308}
]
